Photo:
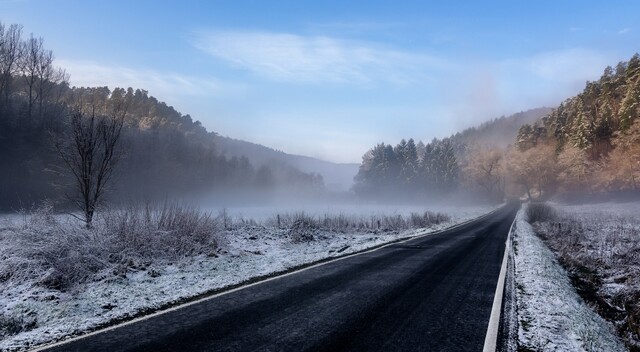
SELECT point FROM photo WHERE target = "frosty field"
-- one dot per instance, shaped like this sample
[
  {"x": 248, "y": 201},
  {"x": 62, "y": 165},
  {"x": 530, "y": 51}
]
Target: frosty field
[
  {"x": 599, "y": 245},
  {"x": 39, "y": 306},
  {"x": 551, "y": 316}
]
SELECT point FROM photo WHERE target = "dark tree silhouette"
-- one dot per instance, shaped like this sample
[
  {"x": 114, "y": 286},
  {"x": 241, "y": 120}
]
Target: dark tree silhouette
[{"x": 91, "y": 152}]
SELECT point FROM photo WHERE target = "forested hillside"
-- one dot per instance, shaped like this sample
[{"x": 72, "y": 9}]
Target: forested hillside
[
  {"x": 337, "y": 177},
  {"x": 464, "y": 161},
  {"x": 588, "y": 144},
  {"x": 166, "y": 153},
  {"x": 499, "y": 132}
]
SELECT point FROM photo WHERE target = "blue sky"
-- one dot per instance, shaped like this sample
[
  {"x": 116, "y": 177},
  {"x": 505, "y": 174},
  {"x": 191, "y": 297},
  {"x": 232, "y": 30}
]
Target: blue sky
[{"x": 330, "y": 79}]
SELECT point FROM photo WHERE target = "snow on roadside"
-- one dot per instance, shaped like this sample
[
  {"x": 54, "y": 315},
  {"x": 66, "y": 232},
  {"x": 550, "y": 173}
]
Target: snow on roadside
[
  {"x": 244, "y": 254},
  {"x": 551, "y": 315}
]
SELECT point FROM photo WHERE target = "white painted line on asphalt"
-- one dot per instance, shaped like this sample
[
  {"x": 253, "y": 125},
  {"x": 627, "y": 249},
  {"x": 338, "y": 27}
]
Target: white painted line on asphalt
[
  {"x": 204, "y": 299},
  {"x": 491, "y": 340}
]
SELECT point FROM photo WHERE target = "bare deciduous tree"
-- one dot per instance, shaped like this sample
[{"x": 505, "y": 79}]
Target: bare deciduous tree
[
  {"x": 30, "y": 64},
  {"x": 91, "y": 151},
  {"x": 10, "y": 52}
]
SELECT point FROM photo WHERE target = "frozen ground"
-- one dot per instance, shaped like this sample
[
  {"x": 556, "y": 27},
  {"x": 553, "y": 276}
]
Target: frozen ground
[
  {"x": 261, "y": 213},
  {"x": 551, "y": 315},
  {"x": 599, "y": 244},
  {"x": 243, "y": 252}
]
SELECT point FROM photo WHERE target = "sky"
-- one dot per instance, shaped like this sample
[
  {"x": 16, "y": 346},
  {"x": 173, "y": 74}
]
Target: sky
[{"x": 330, "y": 79}]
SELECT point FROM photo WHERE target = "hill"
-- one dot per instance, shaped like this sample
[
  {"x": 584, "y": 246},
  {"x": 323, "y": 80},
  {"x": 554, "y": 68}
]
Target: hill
[
  {"x": 591, "y": 142},
  {"x": 441, "y": 167},
  {"x": 499, "y": 132},
  {"x": 337, "y": 177},
  {"x": 162, "y": 153}
]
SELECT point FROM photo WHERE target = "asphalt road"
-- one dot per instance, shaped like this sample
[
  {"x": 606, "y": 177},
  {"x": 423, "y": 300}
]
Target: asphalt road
[{"x": 433, "y": 293}]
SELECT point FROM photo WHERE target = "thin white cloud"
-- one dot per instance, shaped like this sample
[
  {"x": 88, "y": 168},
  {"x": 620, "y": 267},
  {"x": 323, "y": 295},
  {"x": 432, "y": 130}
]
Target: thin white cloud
[
  {"x": 624, "y": 30},
  {"x": 88, "y": 73},
  {"x": 492, "y": 89},
  {"x": 567, "y": 66},
  {"x": 316, "y": 59}
]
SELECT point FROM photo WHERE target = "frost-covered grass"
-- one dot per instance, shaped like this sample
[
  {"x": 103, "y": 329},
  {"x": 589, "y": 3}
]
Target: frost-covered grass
[
  {"x": 599, "y": 245},
  {"x": 551, "y": 314},
  {"x": 59, "y": 279}
]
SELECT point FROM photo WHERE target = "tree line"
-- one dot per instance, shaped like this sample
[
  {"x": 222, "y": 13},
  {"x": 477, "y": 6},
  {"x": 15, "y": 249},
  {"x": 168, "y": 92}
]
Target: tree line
[
  {"x": 588, "y": 145},
  {"x": 407, "y": 168},
  {"x": 164, "y": 153}
]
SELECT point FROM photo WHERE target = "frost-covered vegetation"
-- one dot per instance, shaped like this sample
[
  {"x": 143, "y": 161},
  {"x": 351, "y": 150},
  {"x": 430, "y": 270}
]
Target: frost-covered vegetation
[
  {"x": 599, "y": 245},
  {"x": 550, "y": 314},
  {"x": 60, "y": 278}
]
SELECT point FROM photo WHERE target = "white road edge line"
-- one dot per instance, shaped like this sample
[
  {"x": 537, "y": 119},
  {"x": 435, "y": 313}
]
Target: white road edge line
[
  {"x": 491, "y": 340},
  {"x": 204, "y": 299}
]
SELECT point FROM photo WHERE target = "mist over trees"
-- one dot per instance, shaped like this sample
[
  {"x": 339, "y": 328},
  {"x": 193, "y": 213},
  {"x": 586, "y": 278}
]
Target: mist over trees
[
  {"x": 588, "y": 146},
  {"x": 164, "y": 153},
  {"x": 407, "y": 168},
  {"x": 591, "y": 142},
  {"x": 472, "y": 162}
]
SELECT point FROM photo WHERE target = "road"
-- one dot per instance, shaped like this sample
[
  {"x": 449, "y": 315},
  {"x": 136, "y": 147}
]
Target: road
[{"x": 433, "y": 293}]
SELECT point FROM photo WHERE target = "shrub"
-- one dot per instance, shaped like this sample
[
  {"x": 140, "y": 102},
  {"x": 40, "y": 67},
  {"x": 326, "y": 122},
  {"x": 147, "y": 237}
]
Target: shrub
[
  {"x": 540, "y": 212},
  {"x": 11, "y": 325},
  {"x": 169, "y": 231},
  {"x": 427, "y": 219},
  {"x": 55, "y": 252},
  {"x": 303, "y": 228},
  {"x": 295, "y": 223}
]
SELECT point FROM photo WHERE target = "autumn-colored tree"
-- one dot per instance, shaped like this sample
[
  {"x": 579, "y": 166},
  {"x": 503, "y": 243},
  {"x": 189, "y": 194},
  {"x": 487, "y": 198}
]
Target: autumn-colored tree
[
  {"x": 533, "y": 170},
  {"x": 575, "y": 169},
  {"x": 485, "y": 171}
]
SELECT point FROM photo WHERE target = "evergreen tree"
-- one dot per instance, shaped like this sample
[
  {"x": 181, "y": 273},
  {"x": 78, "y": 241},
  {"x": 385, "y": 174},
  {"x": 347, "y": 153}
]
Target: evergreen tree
[
  {"x": 525, "y": 138},
  {"x": 583, "y": 127},
  {"x": 630, "y": 105},
  {"x": 604, "y": 127}
]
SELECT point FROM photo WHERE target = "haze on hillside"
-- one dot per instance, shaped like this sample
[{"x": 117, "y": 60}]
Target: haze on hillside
[{"x": 335, "y": 103}]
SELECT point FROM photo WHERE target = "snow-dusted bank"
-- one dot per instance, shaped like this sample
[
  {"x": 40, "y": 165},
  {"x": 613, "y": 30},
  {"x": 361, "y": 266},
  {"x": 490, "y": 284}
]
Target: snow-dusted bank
[
  {"x": 34, "y": 310},
  {"x": 551, "y": 316}
]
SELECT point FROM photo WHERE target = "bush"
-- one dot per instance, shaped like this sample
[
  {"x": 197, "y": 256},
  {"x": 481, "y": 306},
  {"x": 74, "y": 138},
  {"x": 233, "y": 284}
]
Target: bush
[
  {"x": 303, "y": 228},
  {"x": 10, "y": 325},
  {"x": 428, "y": 219},
  {"x": 170, "y": 231},
  {"x": 300, "y": 222},
  {"x": 52, "y": 253},
  {"x": 540, "y": 212},
  {"x": 56, "y": 253}
]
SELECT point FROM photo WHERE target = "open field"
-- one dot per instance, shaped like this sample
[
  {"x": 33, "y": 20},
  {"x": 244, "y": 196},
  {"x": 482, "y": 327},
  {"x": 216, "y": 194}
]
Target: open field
[{"x": 60, "y": 279}]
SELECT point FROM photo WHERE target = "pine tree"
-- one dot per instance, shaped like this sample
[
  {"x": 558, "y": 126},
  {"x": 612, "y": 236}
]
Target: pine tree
[
  {"x": 525, "y": 138},
  {"x": 450, "y": 168},
  {"x": 633, "y": 68},
  {"x": 409, "y": 161},
  {"x": 604, "y": 127},
  {"x": 630, "y": 105},
  {"x": 583, "y": 127}
]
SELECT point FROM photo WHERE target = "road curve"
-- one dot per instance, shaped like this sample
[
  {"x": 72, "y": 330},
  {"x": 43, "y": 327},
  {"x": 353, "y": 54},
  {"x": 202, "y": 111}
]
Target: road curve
[{"x": 433, "y": 293}]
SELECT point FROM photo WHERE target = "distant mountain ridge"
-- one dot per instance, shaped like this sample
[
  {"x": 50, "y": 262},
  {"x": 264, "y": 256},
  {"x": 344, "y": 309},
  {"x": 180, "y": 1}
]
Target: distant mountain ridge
[
  {"x": 337, "y": 176},
  {"x": 499, "y": 132}
]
